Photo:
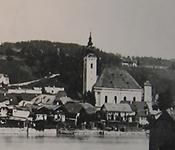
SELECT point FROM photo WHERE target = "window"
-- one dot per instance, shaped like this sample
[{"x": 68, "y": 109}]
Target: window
[
  {"x": 48, "y": 100},
  {"x": 134, "y": 99},
  {"x": 124, "y": 98},
  {"x": 115, "y": 99},
  {"x": 106, "y": 99},
  {"x": 91, "y": 65}
]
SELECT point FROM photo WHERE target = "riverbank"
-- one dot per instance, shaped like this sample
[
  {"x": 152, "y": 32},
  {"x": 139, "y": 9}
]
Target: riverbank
[
  {"x": 102, "y": 133},
  {"x": 81, "y": 133}
]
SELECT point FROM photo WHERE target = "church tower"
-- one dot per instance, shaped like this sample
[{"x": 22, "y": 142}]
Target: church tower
[{"x": 89, "y": 69}]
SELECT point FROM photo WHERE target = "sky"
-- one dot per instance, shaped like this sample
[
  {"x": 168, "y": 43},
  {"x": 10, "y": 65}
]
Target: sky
[{"x": 127, "y": 27}]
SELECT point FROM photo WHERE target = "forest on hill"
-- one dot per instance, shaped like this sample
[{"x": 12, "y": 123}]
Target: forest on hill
[
  {"x": 25, "y": 61},
  {"x": 29, "y": 60}
]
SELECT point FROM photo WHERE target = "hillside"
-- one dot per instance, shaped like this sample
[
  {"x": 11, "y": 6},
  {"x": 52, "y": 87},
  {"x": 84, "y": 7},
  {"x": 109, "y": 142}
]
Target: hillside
[
  {"x": 31, "y": 60},
  {"x": 25, "y": 61}
]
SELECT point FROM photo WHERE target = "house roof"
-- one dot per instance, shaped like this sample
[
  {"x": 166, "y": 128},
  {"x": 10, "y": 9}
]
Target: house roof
[
  {"x": 61, "y": 94},
  {"x": 116, "y": 78},
  {"x": 64, "y": 100},
  {"x": 2, "y": 104},
  {"x": 73, "y": 107},
  {"x": 17, "y": 118},
  {"x": 44, "y": 98},
  {"x": 140, "y": 108},
  {"x": 89, "y": 109},
  {"x": 124, "y": 107},
  {"x": 52, "y": 107},
  {"x": 47, "y": 108}
]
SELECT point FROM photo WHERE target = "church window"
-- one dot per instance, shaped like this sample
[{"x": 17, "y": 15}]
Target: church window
[
  {"x": 91, "y": 65},
  {"x": 134, "y": 98},
  {"x": 115, "y": 99},
  {"x": 106, "y": 99},
  {"x": 124, "y": 98}
]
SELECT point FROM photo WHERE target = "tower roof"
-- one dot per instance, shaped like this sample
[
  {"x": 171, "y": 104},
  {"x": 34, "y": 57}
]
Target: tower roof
[
  {"x": 147, "y": 83},
  {"x": 91, "y": 55},
  {"x": 90, "y": 41}
]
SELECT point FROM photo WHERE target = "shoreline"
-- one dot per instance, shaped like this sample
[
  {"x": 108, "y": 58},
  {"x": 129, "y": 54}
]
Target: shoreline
[{"x": 69, "y": 133}]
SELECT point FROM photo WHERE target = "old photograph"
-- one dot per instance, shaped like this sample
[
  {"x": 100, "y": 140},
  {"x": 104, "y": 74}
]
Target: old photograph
[{"x": 87, "y": 74}]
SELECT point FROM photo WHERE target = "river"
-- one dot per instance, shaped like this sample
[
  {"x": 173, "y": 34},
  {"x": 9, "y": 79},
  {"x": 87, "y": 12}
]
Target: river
[{"x": 73, "y": 143}]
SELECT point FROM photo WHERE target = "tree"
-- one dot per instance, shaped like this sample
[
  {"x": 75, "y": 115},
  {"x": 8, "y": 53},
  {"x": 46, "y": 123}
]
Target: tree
[
  {"x": 90, "y": 98},
  {"x": 165, "y": 99}
]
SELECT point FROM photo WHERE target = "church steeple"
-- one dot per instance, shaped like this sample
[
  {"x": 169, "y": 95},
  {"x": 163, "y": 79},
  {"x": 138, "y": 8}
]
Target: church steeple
[{"x": 90, "y": 41}]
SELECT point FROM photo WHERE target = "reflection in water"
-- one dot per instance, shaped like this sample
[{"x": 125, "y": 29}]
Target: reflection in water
[{"x": 72, "y": 143}]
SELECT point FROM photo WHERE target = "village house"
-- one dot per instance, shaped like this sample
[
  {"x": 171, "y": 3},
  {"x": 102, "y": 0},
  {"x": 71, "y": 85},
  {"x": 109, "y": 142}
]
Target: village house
[
  {"x": 129, "y": 62},
  {"x": 5, "y": 110},
  {"x": 11, "y": 116},
  {"x": 77, "y": 113},
  {"x": 47, "y": 99},
  {"x": 43, "y": 112},
  {"x": 35, "y": 90},
  {"x": 44, "y": 99},
  {"x": 53, "y": 90},
  {"x": 4, "y": 79},
  {"x": 117, "y": 113},
  {"x": 24, "y": 103},
  {"x": 141, "y": 110}
]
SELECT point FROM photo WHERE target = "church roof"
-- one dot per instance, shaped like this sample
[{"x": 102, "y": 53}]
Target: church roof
[{"x": 116, "y": 78}]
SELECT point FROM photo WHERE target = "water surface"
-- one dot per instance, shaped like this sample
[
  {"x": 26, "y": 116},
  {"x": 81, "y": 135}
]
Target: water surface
[{"x": 73, "y": 143}]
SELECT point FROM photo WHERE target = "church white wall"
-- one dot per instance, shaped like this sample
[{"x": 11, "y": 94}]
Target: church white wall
[
  {"x": 119, "y": 93},
  {"x": 4, "y": 79},
  {"x": 90, "y": 73}
]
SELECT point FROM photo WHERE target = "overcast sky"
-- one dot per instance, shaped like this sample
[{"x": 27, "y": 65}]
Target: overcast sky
[{"x": 128, "y": 27}]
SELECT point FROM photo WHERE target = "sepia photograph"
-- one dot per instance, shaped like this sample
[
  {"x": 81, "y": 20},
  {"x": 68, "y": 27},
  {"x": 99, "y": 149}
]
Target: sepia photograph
[{"x": 87, "y": 74}]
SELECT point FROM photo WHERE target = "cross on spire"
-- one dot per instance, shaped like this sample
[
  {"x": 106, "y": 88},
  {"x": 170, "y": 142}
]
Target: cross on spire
[{"x": 90, "y": 41}]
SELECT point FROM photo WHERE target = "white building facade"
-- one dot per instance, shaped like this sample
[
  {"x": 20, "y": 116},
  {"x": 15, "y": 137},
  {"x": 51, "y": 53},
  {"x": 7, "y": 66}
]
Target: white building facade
[
  {"x": 116, "y": 85},
  {"x": 4, "y": 79},
  {"x": 114, "y": 95}
]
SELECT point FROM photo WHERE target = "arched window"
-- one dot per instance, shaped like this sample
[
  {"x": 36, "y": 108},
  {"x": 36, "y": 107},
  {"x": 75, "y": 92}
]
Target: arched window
[
  {"x": 115, "y": 99},
  {"x": 124, "y": 98},
  {"x": 106, "y": 99},
  {"x": 91, "y": 65},
  {"x": 134, "y": 98}
]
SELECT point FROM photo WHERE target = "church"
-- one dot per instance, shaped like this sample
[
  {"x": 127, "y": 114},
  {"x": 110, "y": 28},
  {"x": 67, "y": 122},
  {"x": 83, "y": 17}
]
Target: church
[{"x": 114, "y": 85}]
